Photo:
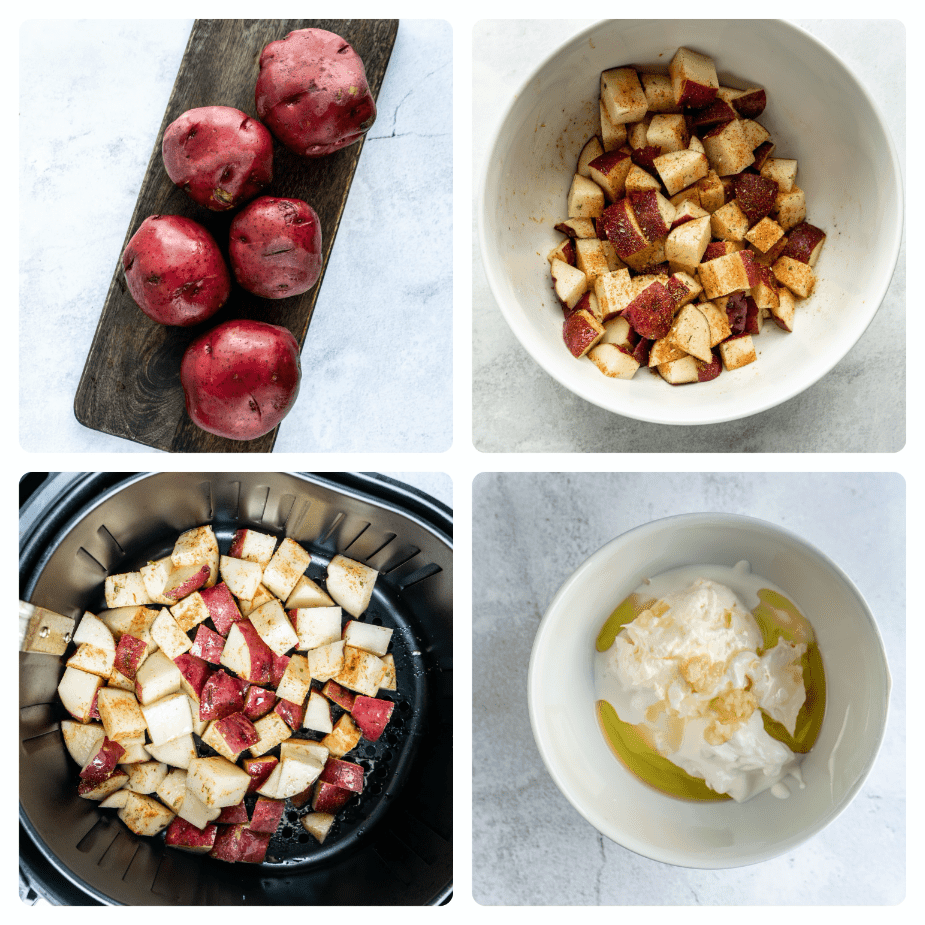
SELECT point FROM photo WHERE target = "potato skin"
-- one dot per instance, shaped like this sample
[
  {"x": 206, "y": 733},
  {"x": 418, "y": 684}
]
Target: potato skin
[
  {"x": 241, "y": 378},
  {"x": 275, "y": 247},
  {"x": 175, "y": 271},
  {"x": 219, "y": 156},
  {"x": 312, "y": 93}
]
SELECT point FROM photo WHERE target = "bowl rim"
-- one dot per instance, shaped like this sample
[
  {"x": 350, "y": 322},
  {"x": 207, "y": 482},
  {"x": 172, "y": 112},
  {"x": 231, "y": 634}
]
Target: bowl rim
[
  {"x": 577, "y": 576},
  {"x": 609, "y": 401}
]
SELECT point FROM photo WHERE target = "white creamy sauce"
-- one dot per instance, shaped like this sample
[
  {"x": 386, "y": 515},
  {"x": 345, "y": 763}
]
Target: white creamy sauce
[{"x": 692, "y": 681}]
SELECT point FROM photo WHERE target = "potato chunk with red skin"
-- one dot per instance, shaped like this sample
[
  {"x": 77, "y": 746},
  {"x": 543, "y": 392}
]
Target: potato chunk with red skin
[
  {"x": 581, "y": 331},
  {"x": 651, "y": 312}
]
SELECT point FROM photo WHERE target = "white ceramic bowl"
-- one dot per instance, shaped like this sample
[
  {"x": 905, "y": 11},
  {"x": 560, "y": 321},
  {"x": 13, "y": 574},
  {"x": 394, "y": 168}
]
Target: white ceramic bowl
[
  {"x": 817, "y": 112},
  {"x": 681, "y": 832}
]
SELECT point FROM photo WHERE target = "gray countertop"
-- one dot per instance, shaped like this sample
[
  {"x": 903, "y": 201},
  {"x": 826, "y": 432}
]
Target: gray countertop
[
  {"x": 535, "y": 413},
  {"x": 530, "y": 847},
  {"x": 92, "y": 96}
]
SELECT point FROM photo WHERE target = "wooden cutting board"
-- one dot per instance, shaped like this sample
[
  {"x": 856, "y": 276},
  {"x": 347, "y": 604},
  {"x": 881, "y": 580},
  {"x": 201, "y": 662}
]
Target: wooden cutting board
[{"x": 130, "y": 385}]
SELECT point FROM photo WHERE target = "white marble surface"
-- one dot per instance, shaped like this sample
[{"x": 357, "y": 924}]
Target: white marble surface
[
  {"x": 530, "y": 531},
  {"x": 92, "y": 97},
  {"x": 518, "y": 407}
]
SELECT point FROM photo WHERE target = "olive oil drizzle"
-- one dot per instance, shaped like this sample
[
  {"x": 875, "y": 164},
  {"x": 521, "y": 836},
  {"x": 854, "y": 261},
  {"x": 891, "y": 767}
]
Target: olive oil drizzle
[{"x": 776, "y": 618}]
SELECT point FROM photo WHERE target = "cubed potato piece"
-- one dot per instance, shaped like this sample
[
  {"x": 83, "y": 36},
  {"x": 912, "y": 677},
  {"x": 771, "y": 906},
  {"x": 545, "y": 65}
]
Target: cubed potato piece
[
  {"x": 727, "y": 274},
  {"x": 728, "y": 149},
  {"x": 790, "y": 208},
  {"x": 155, "y": 575},
  {"x": 82, "y": 739},
  {"x": 782, "y": 170},
  {"x": 287, "y": 566},
  {"x": 690, "y": 332},
  {"x": 318, "y": 714},
  {"x": 318, "y": 825},
  {"x": 217, "y": 782},
  {"x": 197, "y": 547},
  {"x": 168, "y": 718},
  {"x": 693, "y": 79},
  {"x": 686, "y": 244},
  {"x": 679, "y": 169},
  {"x": 145, "y": 815},
  {"x": 712, "y": 192},
  {"x": 659, "y": 94},
  {"x": 362, "y": 671},
  {"x": 120, "y": 713},
  {"x": 785, "y": 310},
  {"x": 126, "y": 590},
  {"x": 569, "y": 282},
  {"x": 307, "y": 593},
  {"x": 614, "y": 292},
  {"x": 765, "y": 234},
  {"x": 613, "y": 135},
  {"x": 737, "y": 352},
  {"x": 351, "y": 584},
  {"x": 272, "y": 730},
  {"x": 345, "y": 737},
  {"x": 680, "y": 371},
  {"x": 166, "y": 632},
  {"x": 178, "y": 753},
  {"x": 367, "y": 636},
  {"x": 668, "y": 132},
  {"x": 316, "y": 626},
  {"x": 729, "y": 222},
  {"x": 389, "y": 680},
  {"x": 157, "y": 677},
  {"x": 663, "y": 351},
  {"x": 253, "y": 546},
  {"x": 613, "y": 361},
  {"x": 296, "y": 680},
  {"x": 622, "y": 95},
  {"x": 798, "y": 277},
  {"x": 718, "y": 321},
  {"x": 585, "y": 198},
  {"x": 146, "y": 776},
  {"x": 592, "y": 261},
  {"x": 274, "y": 627},
  {"x": 326, "y": 662},
  {"x": 190, "y": 612},
  {"x": 93, "y": 660},
  {"x": 242, "y": 577}
]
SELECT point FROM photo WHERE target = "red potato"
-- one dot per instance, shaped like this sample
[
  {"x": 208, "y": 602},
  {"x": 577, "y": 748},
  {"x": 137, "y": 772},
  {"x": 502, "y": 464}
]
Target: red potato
[
  {"x": 221, "y": 696},
  {"x": 175, "y": 271},
  {"x": 312, "y": 93},
  {"x": 219, "y": 156},
  {"x": 275, "y": 247},
  {"x": 221, "y": 606},
  {"x": 260, "y": 770},
  {"x": 241, "y": 378},
  {"x": 208, "y": 645},
  {"x": 259, "y": 702},
  {"x": 267, "y": 814}
]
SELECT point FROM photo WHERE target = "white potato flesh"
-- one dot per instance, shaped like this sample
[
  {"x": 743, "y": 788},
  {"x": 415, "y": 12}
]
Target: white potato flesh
[
  {"x": 146, "y": 776},
  {"x": 351, "y": 584},
  {"x": 197, "y": 547},
  {"x": 93, "y": 660},
  {"x": 272, "y": 730},
  {"x": 145, "y": 815},
  {"x": 217, "y": 782},
  {"x": 93, "y": 631},
  {"x": 318, "y": 714},
  {"x": 362, "y": 671},
  {"x": 297, "y": 773},
  {"x": 274, "y": 627},
  {"x": 326, "y": 661},
  {"x": 318, "y": 824},
  {"x": 177, "y": 753},
  {"x": 317, "y": 626},
  {"x": 81, "y": 739},
  {"x": 155, "y": 575},
  {"x": 115, "y": 800},
  {"x": 157, "y": 678},
  {"x": 168, "y": 718},
  {"x": 285, "y": 569},
  {"x": 77, "y": 690},
  {"x": 194, "y": 811},
  {"x": 126, "y": 590},
  {"x": 242, "y": 577},
  {"x": 167, "y": 634},
  {"x": 367, "y": 636},
  {"x": 294, "y": 748},
  {"x": 172, "y": 789},
  {"x": 121, "y": 715},
  {"x": 296, "y": 680},
  {"x": 308, "y": 594}
]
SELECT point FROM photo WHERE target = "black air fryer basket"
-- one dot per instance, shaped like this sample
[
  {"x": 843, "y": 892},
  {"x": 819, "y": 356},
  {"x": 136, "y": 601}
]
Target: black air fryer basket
[{"x": 393, "y": 846}]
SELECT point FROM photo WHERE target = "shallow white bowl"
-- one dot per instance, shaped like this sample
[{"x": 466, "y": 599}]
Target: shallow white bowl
[
  {"x": 674, "y": 831},
  {"x": 818, "y": 113}
]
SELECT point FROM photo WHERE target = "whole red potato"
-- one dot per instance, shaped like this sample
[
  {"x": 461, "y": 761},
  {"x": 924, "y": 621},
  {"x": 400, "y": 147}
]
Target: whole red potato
[
  {"x": 312, "y": 92},
  {"x": 275, "y": 247},
  {"x": 220, "y": 156},
  {"x": 241, "y": 378},
  {"x": 175, "y": 271}
]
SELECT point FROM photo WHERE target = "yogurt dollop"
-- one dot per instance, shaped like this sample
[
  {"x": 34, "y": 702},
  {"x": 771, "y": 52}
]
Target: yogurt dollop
[{"x": 688, "y": 674}]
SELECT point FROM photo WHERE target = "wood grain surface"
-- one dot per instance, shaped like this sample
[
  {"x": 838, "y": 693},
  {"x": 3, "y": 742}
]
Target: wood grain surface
[{"x": 130, "y": 385}]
